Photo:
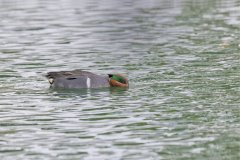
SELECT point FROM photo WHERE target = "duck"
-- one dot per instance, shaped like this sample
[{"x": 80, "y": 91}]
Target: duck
[{"x": 78, "y": 78}]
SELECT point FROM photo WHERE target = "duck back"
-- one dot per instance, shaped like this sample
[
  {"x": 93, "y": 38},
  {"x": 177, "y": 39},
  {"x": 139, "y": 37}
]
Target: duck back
[{"x": 77, "y": 79}]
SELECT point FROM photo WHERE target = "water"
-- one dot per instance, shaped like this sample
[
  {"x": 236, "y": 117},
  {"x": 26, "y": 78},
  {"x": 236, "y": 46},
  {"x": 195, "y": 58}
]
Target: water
[{"x": 182, "y": 59}]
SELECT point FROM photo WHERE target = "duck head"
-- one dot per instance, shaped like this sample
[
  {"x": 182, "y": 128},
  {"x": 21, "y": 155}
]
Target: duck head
[{"x": 118, "y": 80}]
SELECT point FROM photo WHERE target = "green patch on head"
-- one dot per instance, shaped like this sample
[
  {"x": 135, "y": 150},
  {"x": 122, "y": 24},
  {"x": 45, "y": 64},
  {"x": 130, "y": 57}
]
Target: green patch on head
[{"x": 118, "y": 78}]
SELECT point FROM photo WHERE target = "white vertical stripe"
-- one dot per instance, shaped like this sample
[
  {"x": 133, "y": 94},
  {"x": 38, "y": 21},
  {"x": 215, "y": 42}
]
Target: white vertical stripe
[
  {"x": 88, "y": 82},
  {"x": 50, "y": 80}
]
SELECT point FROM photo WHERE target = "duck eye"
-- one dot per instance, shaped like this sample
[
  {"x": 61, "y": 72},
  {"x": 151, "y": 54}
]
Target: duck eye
[{"x": 110, "y": 75}]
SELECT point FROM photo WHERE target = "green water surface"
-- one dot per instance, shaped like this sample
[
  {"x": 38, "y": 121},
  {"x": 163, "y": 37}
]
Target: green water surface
[{"x": 182, "y": 60}]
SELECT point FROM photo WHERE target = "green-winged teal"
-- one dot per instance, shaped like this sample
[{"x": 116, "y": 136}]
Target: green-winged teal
[{"x": 83, "y": 79}]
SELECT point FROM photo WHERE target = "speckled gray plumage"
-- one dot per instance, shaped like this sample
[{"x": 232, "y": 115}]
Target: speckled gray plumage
[{"x": 77, "y": 79}]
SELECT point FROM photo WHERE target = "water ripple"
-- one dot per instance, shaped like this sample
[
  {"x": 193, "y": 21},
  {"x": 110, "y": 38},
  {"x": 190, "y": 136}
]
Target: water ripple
[{"x": 181, "y": 59}]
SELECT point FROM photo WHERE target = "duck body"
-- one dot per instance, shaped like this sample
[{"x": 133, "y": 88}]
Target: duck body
[{"x": 78, "y": 79}]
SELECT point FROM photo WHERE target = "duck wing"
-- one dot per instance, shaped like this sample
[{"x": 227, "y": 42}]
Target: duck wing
[{"x": 68, "y": 74}]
